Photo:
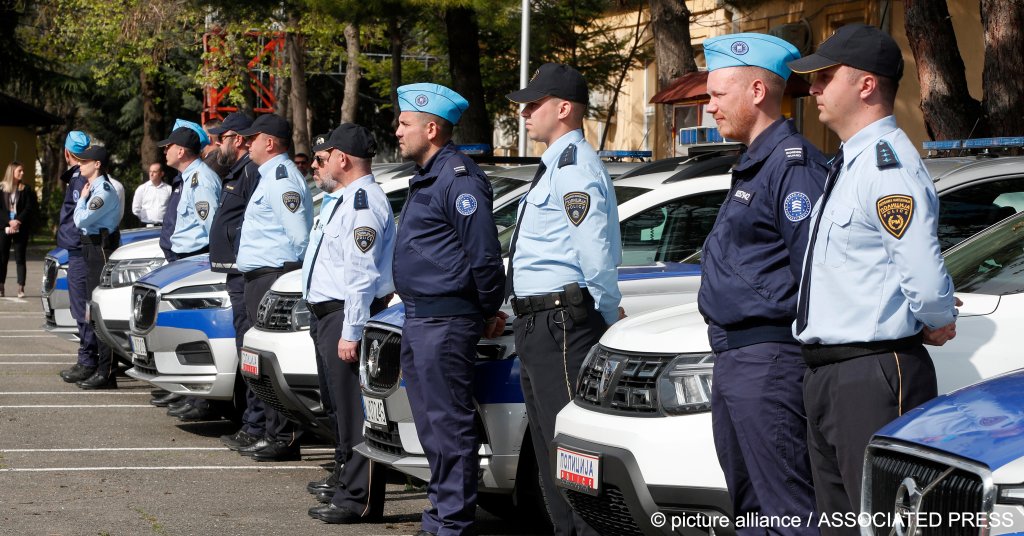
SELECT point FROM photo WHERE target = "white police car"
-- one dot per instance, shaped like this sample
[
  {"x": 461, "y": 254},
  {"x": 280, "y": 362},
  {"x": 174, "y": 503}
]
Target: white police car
[{"x": 111, "y": 300}]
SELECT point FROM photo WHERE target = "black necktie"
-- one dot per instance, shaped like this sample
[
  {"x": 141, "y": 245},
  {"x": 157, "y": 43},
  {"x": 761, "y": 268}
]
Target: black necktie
[
  {"x": 805, "y": 279},
  {"x": 312, "y": 264},
  {"x": 515, "y": 234}
]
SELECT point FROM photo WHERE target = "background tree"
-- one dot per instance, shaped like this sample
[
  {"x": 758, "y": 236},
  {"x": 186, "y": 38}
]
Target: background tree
[
  {"x": 670, "y": 24},
  {"x": 1003, "y": 102}
]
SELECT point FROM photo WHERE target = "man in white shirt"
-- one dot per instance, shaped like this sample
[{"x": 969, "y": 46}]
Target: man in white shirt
[{"x": 151, "y": 197}]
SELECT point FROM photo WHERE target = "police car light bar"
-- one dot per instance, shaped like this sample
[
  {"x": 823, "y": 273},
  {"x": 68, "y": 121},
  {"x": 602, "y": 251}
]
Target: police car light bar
[
  {"x": 625, "y": 154},
  {"x": 477, "y": 148},
  {"x": 941, "y": 145},
  {"x": 988, "y": 143}
]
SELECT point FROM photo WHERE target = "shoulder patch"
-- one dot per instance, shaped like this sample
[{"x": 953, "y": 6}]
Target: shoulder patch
[
  {"x": 568, "y": 156},
  {"x": 282, "y": 173},
  {"x": 95, "y": 203},
  {"x": 577, "y": 205},
  {"x": 106, "y": 186},
  {"x": 795, "y": 156},
  {"x": 365, "y": 237},
  {"x": 76, "y": 195},
  {"x": 195, "y": 180},
  {"x": 360, "y": 202},
  {"x": 292, "y": 201},
  {"x": 885, "y": 157},
  {"x": 202, "y": 209},
  {"x": 460, "y": 170},
  {"x": 895, "y": 213},
  {"x": 797, "y": 206},
  {"x": 466, "y": 204}
]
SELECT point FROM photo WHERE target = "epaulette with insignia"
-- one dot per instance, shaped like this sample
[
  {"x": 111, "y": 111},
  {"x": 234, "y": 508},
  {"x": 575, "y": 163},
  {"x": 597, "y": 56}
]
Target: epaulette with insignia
[
  {"x": 795, "y": 156},
  {"x": 106, "y": 186},
  {"x": 282, "y": 172},
  {"x": 195, "y": 180},
  {"x": 460, "y": 170},
  {"x": 568, "y": 156},
  {"x": 885, "y": 157},
  {"x": 360, "y": 202}
]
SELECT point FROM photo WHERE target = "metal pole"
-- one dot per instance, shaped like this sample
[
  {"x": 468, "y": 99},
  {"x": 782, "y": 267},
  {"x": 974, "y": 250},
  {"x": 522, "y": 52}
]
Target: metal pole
[{"x": 524, "y": 71}]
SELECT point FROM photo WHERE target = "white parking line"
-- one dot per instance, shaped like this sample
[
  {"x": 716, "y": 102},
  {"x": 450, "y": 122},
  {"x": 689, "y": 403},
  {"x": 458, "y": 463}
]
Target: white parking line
[
  {"x": 143, "y": 449},
  {"x": 24, "y": 331},
  {"x": 38, "y": 355},
  {"x": 78, "y": 406},
  {"x": 166, "y": 468},
  {"x": 44, "y": 336},
  {"x": 79, "y": 392},
  {"x": 33, "y": 363}
]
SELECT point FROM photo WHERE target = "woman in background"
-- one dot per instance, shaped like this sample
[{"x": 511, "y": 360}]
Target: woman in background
[{"x": 19, "y": 205}]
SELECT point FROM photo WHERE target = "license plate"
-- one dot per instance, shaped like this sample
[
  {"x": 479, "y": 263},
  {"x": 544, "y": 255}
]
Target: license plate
[
  {"x": 579, "y": 471},
  {"x": 376, "y": 414},
  {"x": 46, "y": 306},
  {"x": 250, "y": 364},
  {"x": 139, "y": 345}
]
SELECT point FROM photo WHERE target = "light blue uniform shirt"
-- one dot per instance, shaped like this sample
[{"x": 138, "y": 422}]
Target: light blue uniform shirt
[
  {"x": 569, "y": 228},
  {"x": 277, "y": 219},
  {"x": 99, "y": 210},
  {"x": 877, "y": 271},
  {"x": 327, "y": 209},
  {"x": 354, "y": 263},
  {"x": 200, "y": 197}
]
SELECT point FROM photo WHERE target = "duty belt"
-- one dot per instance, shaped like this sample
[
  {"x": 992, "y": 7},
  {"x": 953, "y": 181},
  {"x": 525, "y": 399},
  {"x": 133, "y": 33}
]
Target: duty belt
[
  {"x": 322, "y": 309},
  {"x": 818, "y": 355},
  {"x": 260, "y": 272},
  {"x": 545, "y": 302}
]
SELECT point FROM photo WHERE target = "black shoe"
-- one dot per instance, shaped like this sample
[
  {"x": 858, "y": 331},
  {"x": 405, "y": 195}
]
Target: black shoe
[
  {"x": 157, "y": 393},
  {"x": 277, "y": 451},
  {"x": 327, "y": 483},
  {"x": 329, "y": 513},
  {"x": 98, "y": 381},
  {"x": 77, "y": 373},
  {"x": 165, "y": 399},
  {"x": 199, "y": 414},
  {"x": 183, "y": 401},
  {"x": 260, "y": 443},
  {"x": 179, "y": 410},
  {"x": 238, "y": 440},
  {"x": 325, "y": 496}
]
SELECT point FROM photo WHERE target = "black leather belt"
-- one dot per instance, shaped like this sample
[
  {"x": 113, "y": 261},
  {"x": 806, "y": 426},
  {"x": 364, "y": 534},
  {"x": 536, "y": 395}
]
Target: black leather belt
[
  {"x": 260, "y": 272},
  {"x": 817, "y": 355},
  {"x": 545, "y": 302},
  {"x": 322, "y": 309}
]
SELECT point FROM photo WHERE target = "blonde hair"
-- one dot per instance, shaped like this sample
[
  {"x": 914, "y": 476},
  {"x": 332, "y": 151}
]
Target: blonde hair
[{"x": 8, "y": 185}]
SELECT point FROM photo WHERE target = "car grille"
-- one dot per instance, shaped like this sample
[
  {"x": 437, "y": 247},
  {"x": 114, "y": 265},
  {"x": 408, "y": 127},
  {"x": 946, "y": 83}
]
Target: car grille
[
  {"x": 275, "y": 311},
  {"x": 264, "y": 390},
  {"x": 382, "y": 349},
  {"x": 961, "y": 490},
  {"x": 389, "y": 441},
  {"x": 152, "y": 371},
  {"x": 50, "y": 267},
  {"x": 607, "y": 513},
  {"x": 620, "y": 382},
  {"x": 144, "y": 307}
]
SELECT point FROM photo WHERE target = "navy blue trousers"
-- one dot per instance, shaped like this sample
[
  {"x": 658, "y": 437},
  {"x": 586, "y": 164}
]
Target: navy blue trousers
[
  {"x": 760, "y": 428},
  {"x": 438, "y": 356},
  {"x": 277, "y": 426},
  {"x": 254, "y": 418},
  {"x": 79, "y": 295}
]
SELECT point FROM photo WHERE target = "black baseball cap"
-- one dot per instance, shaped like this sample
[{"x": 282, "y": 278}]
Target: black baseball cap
[
  {"x": 94, "y": 152},
  {"x": 349, "y": 138},
  {"x": 184, "y": 137},
  {"x": 554, "y": 80},
  {"x": 270, "y": 124},
  {"x": 234, "y": 121},
  {"x": 858, "y": 45}
]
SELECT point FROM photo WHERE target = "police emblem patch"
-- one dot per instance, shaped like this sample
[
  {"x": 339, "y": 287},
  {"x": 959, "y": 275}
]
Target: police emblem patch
[
  {"x": 203, "y": 209},
  {"x": 740, "y": 48},
  {"x": 797, "y": 206},
  {"x": 466, "y": 204},
  {"x": 895, "y": 213},
  {"x": 76, "y": 195},
  {"x": 95, "y": 203},
  {"x": 421, "y": 100},
  {"x": 292, "y": 200},
  {"x": 195, "y": 180},
  {"x": 577, "y": 205},
  {"x": 365, "y": 237}
]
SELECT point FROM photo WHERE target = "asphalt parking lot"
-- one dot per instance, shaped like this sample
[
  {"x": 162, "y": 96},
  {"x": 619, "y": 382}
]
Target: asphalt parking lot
[{"x": 76, "y": 462}]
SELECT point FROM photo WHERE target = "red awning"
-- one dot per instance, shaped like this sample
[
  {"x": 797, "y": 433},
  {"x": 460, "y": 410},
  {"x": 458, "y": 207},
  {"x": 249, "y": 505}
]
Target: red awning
[{"x": 693, "y": 88}]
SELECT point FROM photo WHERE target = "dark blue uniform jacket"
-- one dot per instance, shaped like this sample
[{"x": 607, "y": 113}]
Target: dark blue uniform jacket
[
  {"x": 447, "y": 255},
  {"x": 171, "y": 218},
  {"x": 67, "y": 233},
  {"x": 239, "y": 184}
]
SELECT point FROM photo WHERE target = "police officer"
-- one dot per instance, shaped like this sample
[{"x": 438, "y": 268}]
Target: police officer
[
  {"x": 875, "y": 225},
  {"x": 563, "y": 262},
  {"x": 68, "y": 238},
  {"x": 749, "y": 282},
  {"x": 96, "y": 215},
  {"x": 275, "y": 232},
  {"x": 448, "y": 272},
  {"x": 239, "y": 183},
  {"x": 347, "y": 275}
]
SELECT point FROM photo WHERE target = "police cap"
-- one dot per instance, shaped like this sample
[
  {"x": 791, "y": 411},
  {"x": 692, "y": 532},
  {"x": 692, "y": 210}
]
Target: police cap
[
  {"x": 750, "y": 50},
  {"x": 234, "y": 121},
  {"x": 183, "y": 137},
  {"x": 554, "y": 80},
  {"x": 858, "y": 45},
  {"x": 351, "y": 139},
  {"x": 432, "y": 99},
  {"x": 77, "y": 141},
  {"x": 271, "y": 125},
  {"x": 94, "y": 152}
]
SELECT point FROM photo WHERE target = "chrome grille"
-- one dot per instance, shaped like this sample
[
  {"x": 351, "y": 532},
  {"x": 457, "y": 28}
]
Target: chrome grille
[
  {"x": 275, "y": 311},
  {"x": 50, "y": 268},
  {"x": 144, "y": 307},
  {"x": 380, "y": 363},
  {"x": 625, "y": 383}
]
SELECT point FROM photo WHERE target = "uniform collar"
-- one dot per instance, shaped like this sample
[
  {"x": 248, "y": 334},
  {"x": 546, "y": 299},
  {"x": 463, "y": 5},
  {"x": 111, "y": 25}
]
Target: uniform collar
[
  {"x": 361, "y": 182},
  {"x": 866, "y": 137},
  {"x": 193, "y": 166},
  {"x": 433, "y": 166},
  {"x": 765, "y": 143},
  {"x": 551, "y": 154},
  {"x": 238, "y": 166},
  {"x": 273, "y": 163}
]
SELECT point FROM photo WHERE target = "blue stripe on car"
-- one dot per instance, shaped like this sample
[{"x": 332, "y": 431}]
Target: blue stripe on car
[{"x": 215, "y": 323}]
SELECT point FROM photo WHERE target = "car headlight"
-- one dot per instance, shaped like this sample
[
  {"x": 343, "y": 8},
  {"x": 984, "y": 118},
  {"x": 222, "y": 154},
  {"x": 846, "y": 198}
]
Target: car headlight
[
  {"x": 198, "y": 297},
  {"x": 300, "y": 316},
  {"x": 122, "y": 273},
  {"x": 1011, "y": 495},
  {"x": 685, "y": 385}
]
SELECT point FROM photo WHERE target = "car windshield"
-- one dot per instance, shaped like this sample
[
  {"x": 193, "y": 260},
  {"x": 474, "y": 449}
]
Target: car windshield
[
  {"x": 990, "y": 263},
  {"x": 503, "y": 185}
]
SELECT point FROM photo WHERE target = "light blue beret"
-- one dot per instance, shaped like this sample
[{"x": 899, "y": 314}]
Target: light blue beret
[
  {"x": 77, "y": 141},
  {"x": 750, "y": 50},
  {"x": 432, "y": 99},
  {"x": 204, "y": 138}
]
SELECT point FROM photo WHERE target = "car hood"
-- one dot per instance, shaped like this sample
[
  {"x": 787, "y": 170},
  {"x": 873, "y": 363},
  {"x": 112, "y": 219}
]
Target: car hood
[
  {"x": 290, "y": 283},
  {"x": 59, "y": 254},
  {"x": 983, "y": 422},
  {"x": 392, "y": 316},
  {"x": 183, "y": 273},
  {"x": 127, "y": 237},
  {"x": 142, "y": 249},
  {"x": 676, "y": 330}
]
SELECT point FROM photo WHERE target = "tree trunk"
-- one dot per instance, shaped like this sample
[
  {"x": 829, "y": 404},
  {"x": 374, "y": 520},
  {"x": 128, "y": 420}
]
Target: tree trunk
[
  {"x": 397, "y": 45},
  {"x": 1003, "y": 102},
  {"x": 297, "y": 96},
  {"x": 464, "y": 67},
  {"x": 949, "y": 111},
  {"x": 627, "y": 64},
  {"x": 670, "y": 22},
  {"x": 152, "y": 120},
  {"x": 350, "y": 100}
]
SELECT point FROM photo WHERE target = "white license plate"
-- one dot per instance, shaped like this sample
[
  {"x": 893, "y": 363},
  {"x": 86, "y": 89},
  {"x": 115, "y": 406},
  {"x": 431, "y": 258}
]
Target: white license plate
[
  {"x": 375, "y": 412},
  {"x": 578, "y": 471},
  {"x": 250, "y": 363},
  {"x": 46, "y": 306},
  {"x": 139, "y": 345}
]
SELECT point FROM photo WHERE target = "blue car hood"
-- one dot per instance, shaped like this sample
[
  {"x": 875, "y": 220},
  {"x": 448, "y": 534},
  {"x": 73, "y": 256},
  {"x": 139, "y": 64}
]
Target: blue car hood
[
  {"x": 169, "y": 273},
  {"x": 983, "y": 422},
  {"x": 392, "y": 316},
  {"x": 127, "y": 237},
  {"x": 667, "y": 269}
]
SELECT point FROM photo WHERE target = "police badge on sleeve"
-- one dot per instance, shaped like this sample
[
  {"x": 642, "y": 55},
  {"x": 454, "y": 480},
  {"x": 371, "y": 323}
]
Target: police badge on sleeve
[
  {"x": 577, "y": 205},
  {"x": 292, "y": 200},
  {"x": 365, "y": 237},
  {"x": 895, "y": 213},
  {"x": 203, "y": 209},
  {"x": 95, "y": 203}
]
